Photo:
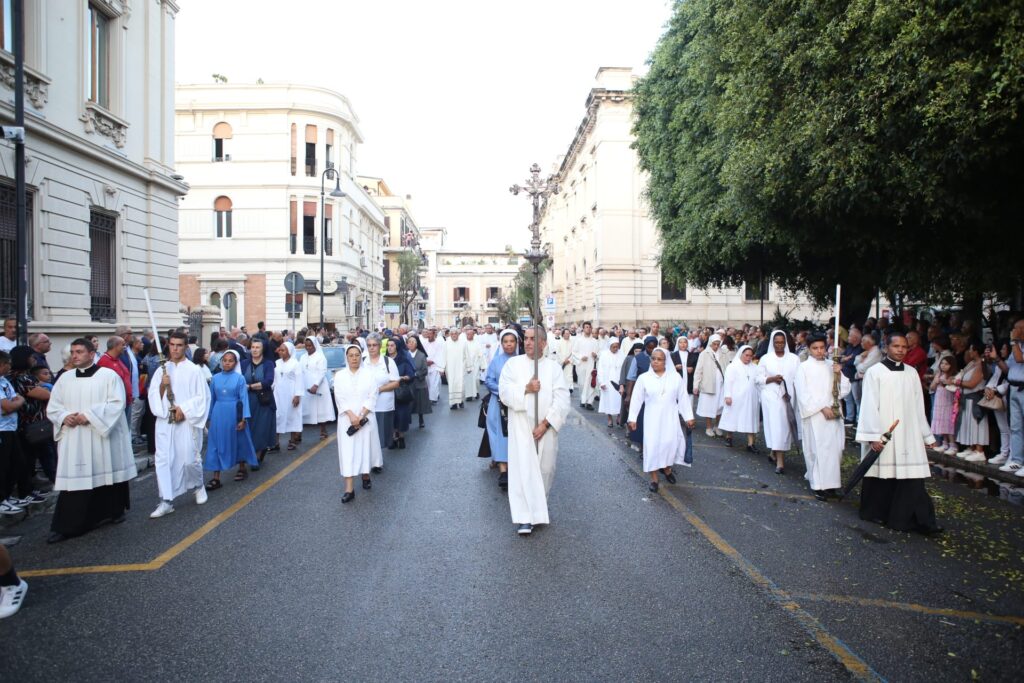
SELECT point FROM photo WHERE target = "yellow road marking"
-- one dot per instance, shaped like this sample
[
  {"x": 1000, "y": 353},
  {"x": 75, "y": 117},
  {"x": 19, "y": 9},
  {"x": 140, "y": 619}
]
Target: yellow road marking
[
  {"x": 912, "y": 607},
  {"x": 181, "y": 546}
]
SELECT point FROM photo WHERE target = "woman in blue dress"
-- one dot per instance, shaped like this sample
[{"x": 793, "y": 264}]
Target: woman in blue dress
[
  {"x": 399, "y": 355},
  {"x": 258, "y": 372},
  {"x": 229, "y": 442},
  {"x": 498, "y": 442}
]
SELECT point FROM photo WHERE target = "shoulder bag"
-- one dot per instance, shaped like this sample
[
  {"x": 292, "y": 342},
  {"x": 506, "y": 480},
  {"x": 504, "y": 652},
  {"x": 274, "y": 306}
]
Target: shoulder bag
[{"x": 39, "y": 432}]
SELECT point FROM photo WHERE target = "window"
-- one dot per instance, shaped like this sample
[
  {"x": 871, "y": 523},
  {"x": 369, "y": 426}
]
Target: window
[
  {"x": 215, "y": 300},
  {"x": 752, "y": 291},
  {"x": 294, "y": 147},
  {"x": 329, "y": 149},
  {"x": 222, "y": 214},
  {"x": 460, "y": 295},
  {"x": 230, "y": 310},
  {"x": 311, "y": 151},
  {"x": 102, "y": 257},
  {"x": 98, "y": 57},
  {"x": 7, "y": 25},
  {"x": 493, "y": 293},
  {"x": 670, "y": 291},
  {"x": 309, "y": 227},
  {"x": 328, "y": 229},
  {"x": 387, "y": 275},
  {"x": 293, "y": 226},
  {"x": 9, "y": 250},
  {"x": 221, "y": 134},
  {"x": 293, "y": 304}
]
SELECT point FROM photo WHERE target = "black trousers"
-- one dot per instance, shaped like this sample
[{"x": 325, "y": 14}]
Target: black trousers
[
  {"x": 900, "y": 504},
  {"x": 15, "y": 473}
]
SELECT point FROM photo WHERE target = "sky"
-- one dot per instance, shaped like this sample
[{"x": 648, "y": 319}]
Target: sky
[{"x": 455, "y": 98}]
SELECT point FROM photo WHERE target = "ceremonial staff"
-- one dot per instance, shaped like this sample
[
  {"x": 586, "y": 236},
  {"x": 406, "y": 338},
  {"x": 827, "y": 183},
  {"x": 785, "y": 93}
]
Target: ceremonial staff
[
  {"x": 538, "y": 190},
  {"x": 836, "y": 379},
  {"x": 163, "y": 360}
]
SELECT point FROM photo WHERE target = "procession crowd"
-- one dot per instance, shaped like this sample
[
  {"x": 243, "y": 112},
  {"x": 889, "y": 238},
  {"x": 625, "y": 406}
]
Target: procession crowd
[{"x": 225, "y": 408}]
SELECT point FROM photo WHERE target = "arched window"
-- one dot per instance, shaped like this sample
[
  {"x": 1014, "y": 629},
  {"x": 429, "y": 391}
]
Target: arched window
[
  {"x": 230, "y": 310},
  {"x": 215, "y": 299},
  {"x": 221, "y": 134},
  {"x": 222, "y": 213}
]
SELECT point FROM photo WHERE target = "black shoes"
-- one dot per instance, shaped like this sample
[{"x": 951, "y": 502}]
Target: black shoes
[
  {"x": 670, "y": 477},
  {"x": 503, "y": 481},
  {"x": 753, "y": 449},
  {"x": 728, "y": 441},
  {"x": 376, "y": 470},
  {"x": 821, "y": 495},
  {"x": 367, "y": 484},
  {"x": 56, "y": 537},
  {"x": 422, "y": 425},
  {"x": 780, "y": 470},
  {"x": 653, "y": 487},
  {"x": 347, "y": 498},
  {"x": 401, "y": 443}
]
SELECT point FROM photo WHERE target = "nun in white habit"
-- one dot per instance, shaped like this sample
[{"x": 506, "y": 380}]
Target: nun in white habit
[
  {"x": 663, "y": 392},
  {"x": 739, "y": 393},
  {"x": 776, "y": 382},
  {"x": 609, "y": 367},
  {"x": 316, "y": 399},
  {"x": 707, "y": 385},
  {"x": 355, "y": 395},
  {"x": 288, "y": 395}
]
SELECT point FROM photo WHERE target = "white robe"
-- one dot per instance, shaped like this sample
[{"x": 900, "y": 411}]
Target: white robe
[
  {"x": 487, "y": 340},
  {"x": 531, "y": 470},
  {"x": 178, "y": 459},
  {"x": 99, "y": 453},
  {"x": 609, "y": 367},
  {"x": 316, "y": 408},
  {"x": 823, "y": 440},
  {"x": 561, "y": 351},
  {"x": 474, "y": 355},
  {"x": 384, "y": 371},
  {"x": 778, "y": 434},
  {"x": 356, "y": 391},
  {"x": 456, "y": 364},
  {"x": 435, "y": 351},
  {"x": 666, "y": 399},
  {"x": 288, "y": 385},
  {"x": 583, "y": 347},
  {"x": 739, "y": 386},
  {"x": 886, "y": 397}
]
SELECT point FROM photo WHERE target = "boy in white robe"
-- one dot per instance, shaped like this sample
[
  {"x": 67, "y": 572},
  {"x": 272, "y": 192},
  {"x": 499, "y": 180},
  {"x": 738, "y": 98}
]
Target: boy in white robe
[
  {"x": 824, "y": 435},
  {"x": 776, "y": 379},
  {"x": 474, "y": 353},
  {"x": 585, "y": 348},
  {"x": 178, "y": 462},
  {"x": 532, "y": 451},
  {"x": 435, "y": 350},
  {"x": 893, "y": 492}
]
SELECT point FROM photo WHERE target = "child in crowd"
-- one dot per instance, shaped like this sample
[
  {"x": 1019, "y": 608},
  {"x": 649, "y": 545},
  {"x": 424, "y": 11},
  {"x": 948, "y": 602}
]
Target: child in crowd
[
  {"x": 943, "y": 420},
  {"x": 43, "y": 376}
]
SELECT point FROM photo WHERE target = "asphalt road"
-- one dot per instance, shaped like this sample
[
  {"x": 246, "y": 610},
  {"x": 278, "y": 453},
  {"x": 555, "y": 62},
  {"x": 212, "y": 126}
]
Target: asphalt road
[{"x": 734, "y": 573}]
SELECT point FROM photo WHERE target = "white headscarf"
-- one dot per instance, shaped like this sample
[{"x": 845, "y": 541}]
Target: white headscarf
[
  {"x": 738, "y": 358},
  {"x": 238, "y": 360},
  {"x": 771, "y": 341},
  {"x": 358, "y": 348},
  {"x": 287, "y": 365},
  {"x": 711, "y": 340}
]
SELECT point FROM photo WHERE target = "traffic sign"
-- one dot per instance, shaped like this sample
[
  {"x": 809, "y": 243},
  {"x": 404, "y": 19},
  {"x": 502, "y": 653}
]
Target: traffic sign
[
  {"x": 294, "y": 282},
  {"x": 422, "y": 315},
  {"x": 551, "y": 321},
  {"x": 549, "y": 303}
]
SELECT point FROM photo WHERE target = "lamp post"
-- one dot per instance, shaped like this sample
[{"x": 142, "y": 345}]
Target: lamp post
[
  {"x": 539, "y": 190},
  {"x": 336, "y": 192}
]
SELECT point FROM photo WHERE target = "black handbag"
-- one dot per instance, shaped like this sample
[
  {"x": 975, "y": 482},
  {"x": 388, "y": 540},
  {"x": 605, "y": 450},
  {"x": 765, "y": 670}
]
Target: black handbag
[
  {"x": 481, "y": 420},
  {"x": 38, "y": 433},
  {"x": 403, "y": 394},
  {"x": 265, "y": 397},
  {"x": 977, "y": 410}
]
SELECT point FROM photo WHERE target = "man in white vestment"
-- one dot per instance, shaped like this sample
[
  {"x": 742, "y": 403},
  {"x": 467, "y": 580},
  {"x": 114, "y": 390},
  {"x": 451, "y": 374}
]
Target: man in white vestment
[
  {"x": 532, "y": 450},
  {"x": 585, "y": 348},
  {"x": 456, "y": 361},
  {"x": 179, "y": 443},
  {"x": 824, "y": 435},
  {"x": 95, "y": 460},
  {"x": 489, "y": 343},
  {"x": 893, "y": 491},
  {"x": 435, "y": 350},
  {"x": 776, "y": 379},
  {"x": 474, "y": 355}
]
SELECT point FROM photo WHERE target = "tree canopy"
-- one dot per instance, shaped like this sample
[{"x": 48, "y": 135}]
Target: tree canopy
[{"x": 876, "y": 143}]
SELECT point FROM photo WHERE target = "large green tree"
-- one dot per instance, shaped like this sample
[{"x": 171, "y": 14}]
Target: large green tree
[{"x": 874, "y": 143}]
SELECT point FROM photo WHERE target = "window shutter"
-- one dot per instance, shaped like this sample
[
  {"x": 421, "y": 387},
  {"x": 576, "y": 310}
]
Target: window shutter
[
  {"x": 222, "y": 131},
  {"x": 311, "y": 134},
  {"x": 309, "y": 209}
]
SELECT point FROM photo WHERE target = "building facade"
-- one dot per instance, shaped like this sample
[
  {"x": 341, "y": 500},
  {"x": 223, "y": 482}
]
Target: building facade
[
  {"x": 464, "y": 285},
  {"x": 102, "y": 190},
  {"x": 256, "y": 157},
  {"x": 603, "y": 243}
]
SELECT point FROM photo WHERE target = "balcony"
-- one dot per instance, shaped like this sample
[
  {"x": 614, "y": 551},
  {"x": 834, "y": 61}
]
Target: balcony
[
  {"x": 460, "y": 304},
  {"x": 101, "y": 309},
  {"x": 309, "y": 245},
  {"x": 492, "y": 303}
]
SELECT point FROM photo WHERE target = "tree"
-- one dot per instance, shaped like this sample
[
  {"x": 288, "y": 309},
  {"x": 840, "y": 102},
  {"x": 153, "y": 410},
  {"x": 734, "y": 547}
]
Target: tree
[
  {"x": 871, "y": 143},
  {"x": 409, "y": 265},
  {"x": 522, "y": 294}
]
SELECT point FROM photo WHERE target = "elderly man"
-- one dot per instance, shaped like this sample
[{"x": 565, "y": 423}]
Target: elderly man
[
  {"x": 10, "y": 337},
  {"x": 538, "y": 405},
  {"x": 1013, "y": 367},
  {"x": 435, "y": 350},
  {"x": 40, "y": 344},
  {"x": 111, "y": 360},
  {"x": 473, "y": 364}
]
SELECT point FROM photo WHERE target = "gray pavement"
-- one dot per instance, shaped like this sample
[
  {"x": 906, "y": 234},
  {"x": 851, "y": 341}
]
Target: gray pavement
[{"x": 732, "y": 574}]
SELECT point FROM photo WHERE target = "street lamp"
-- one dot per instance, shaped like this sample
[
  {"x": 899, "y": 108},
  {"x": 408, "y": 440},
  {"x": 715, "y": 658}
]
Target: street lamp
[{"x": 336, "y": 192}]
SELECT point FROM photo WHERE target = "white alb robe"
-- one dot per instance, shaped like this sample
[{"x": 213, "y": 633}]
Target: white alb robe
[
  {"x": 531, "y": 464},
  {"x": 178, "y": 460},
  {"x": 666, "y": 399},
  {"x": 435, "y": 351},
  {"x": 823, "y": 440},
  {"x": 609, "y": 368},
  {"x": 99, "y": 453},
  {"x": 287, "y": 385},
  {"x": 561, "y": 351},
  {"x": 778, "y": 434},
  {"x": 741, "y": 416},
  {"x": 888, "y": 395},
  {"x": 474, "y": 357},
  {"x": 356, "y": 391},
  {"x": 489, "y": 345},
  {"x": 316, "y": 408},
  {"x": 456, "y": 364},
  {"x": 583, "y": 347}
]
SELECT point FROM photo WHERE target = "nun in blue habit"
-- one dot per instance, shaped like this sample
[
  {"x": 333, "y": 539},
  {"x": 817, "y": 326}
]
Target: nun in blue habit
[
  {"x": 229, "y": 442},
  {"x": 495, "y": 443}
]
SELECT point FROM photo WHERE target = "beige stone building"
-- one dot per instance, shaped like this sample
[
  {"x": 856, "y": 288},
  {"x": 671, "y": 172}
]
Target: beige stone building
[
  {"x": 462, "y": 284},
  {"x": 604, "y": 244},
  {"x": 101, "y": 185},
  {"x": 255, "y": 156}
]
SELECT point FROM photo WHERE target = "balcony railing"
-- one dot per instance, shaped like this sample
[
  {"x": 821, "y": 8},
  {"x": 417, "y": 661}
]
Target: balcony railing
[
  {"x": 102, "y": 309},
  {"x": 461, "y": 304},
  {"x": 309, "y": 245}
]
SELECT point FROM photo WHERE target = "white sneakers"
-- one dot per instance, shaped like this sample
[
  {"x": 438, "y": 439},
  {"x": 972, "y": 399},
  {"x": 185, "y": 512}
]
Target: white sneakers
[
  {"x": 201, "y": 496},
  {"x": 164, "y": 508},
  {"x": 999, "y": 459},
  {"x": 951, "y": 450},
  {"x": 1019, "y": 472},
  {"x": 975, "y": 456},
  {"x": 718, "y": 432},
  {"x": 10, "y": 507},
  {"x": 1011, "y": 467},
  {"x": 11, "y": 598},
  {"x": 710, "y": 432}
]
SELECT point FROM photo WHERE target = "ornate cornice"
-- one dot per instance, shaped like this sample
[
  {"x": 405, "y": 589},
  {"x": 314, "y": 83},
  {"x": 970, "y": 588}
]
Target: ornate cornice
[
  {"x": 36, "y": 84},
  {"x": 96, "y": 119}
]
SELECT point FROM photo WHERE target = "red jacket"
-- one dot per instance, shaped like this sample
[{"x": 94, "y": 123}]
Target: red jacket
[
  {"x": 917, "y": 359},
  {"x": 124, "y": 373}
]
